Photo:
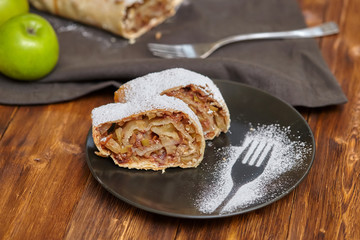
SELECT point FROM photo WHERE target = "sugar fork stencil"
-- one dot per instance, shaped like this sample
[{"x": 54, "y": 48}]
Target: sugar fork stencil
[{"x": 249, "y": 166}]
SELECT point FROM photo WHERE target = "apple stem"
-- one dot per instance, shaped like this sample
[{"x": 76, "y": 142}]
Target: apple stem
[{"x": 31, "y": 31}]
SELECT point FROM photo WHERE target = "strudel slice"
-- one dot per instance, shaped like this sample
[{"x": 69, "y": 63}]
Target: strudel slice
[
  {"x": 196, "y": 90},
  {"x": 156, "y": 134},
  {"x": 127, "y": 18}
]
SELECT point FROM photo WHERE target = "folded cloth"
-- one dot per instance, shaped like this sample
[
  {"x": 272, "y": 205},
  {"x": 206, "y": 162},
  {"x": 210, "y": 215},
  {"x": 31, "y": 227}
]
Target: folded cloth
[{"x": 92, "y": 59}]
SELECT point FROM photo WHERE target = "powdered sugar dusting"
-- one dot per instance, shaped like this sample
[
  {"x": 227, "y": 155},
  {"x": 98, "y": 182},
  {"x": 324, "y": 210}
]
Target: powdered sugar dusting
[
  {"x": 155, "y": 83},
  {"x": 130, "y": 2},
  {"x": 115, "y": 111},
  {"x": 286, "y": 156}
]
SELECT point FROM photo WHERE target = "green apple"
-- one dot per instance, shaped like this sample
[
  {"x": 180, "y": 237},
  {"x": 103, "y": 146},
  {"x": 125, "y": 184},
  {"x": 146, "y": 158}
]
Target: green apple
[
  {"x": 29, "y": 48},
  {"x": 11, "y": 8}
]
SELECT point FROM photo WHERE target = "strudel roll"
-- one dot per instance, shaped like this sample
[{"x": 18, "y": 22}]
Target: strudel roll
[
  {"x": 127, "y": 18},
  {"x": 197, "y": 91},
  {"x": 155, "y": 134}
]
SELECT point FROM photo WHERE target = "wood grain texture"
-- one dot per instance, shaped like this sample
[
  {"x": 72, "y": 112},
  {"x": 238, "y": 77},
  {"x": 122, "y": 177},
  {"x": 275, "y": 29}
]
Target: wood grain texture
[
  {"x": 48, "y": 192},
  {"x": 6, "y": 116},
  {"x": 42, "y": 169},
  {"x": 99, "y": 215},
  {"x": 332, "y": 188}
]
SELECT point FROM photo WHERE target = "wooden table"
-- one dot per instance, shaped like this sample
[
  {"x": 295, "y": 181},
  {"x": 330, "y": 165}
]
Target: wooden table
[{"x": 48, "y": 192}]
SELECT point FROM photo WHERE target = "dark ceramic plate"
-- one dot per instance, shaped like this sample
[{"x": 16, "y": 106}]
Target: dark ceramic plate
[{"x": 194, "y": 193}]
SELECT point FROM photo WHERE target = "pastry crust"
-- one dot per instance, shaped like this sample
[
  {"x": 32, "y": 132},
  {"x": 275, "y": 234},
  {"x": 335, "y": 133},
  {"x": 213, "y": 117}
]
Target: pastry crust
[
  {"x": 152, "y": 135},
  {"x": 196, "y": 90},
  {"x": 127, "y": 18}
]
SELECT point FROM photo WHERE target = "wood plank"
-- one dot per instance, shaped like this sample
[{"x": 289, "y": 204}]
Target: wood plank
[
  {"x": 99, "y": 215},
  {"x": 42, "y": 168},
  {"x": 330, "y": 195},
  {"x": 6, "y": 114}
]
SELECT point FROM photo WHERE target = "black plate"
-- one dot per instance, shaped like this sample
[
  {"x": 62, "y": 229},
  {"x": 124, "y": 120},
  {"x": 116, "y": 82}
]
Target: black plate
[{"x": 185, "y": 192}]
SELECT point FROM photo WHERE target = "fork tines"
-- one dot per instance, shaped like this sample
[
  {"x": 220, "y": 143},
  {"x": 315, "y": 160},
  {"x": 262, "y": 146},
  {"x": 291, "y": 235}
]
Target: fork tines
[
  {"x": 257, "y": 153},
  {"x": 172, "y": 51}
]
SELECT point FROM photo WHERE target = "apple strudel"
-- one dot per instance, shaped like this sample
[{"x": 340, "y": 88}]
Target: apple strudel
[
  {"x": 197, "y": 91},
  {"x": 127, "y": 18},
  {"x": 156, "y": 134}
]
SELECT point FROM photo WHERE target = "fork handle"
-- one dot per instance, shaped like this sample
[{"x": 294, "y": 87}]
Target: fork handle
[
  {"x": 230, "y": 195},
  {"x": 317, "y": 31}
]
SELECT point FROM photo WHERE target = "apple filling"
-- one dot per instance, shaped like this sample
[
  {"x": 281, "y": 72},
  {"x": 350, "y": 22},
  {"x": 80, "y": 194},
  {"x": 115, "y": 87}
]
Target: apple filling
[
  {"x": 158, "y": 138},
  {"x": 211, "y": 115},
  {"x": 141, "y": 14}
]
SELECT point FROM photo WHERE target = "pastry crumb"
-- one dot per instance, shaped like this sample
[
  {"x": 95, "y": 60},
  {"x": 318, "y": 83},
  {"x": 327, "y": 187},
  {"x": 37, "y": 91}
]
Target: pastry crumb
[{"x": 158, "y": 35}]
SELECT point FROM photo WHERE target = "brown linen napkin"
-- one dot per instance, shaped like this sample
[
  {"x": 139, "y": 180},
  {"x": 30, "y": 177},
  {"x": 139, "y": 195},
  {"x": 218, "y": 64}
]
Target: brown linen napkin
[{"x": 92, "y": 59}]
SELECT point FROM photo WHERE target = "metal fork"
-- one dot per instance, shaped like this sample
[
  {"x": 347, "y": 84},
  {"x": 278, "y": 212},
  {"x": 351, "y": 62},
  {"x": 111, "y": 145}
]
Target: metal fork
[
  {"x": 203, "y": 50},
  {"x": 249, "y": 166}
]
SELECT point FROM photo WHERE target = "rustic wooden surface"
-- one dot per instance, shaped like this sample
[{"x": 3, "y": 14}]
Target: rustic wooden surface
[{"x": 47, "y": 191}]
